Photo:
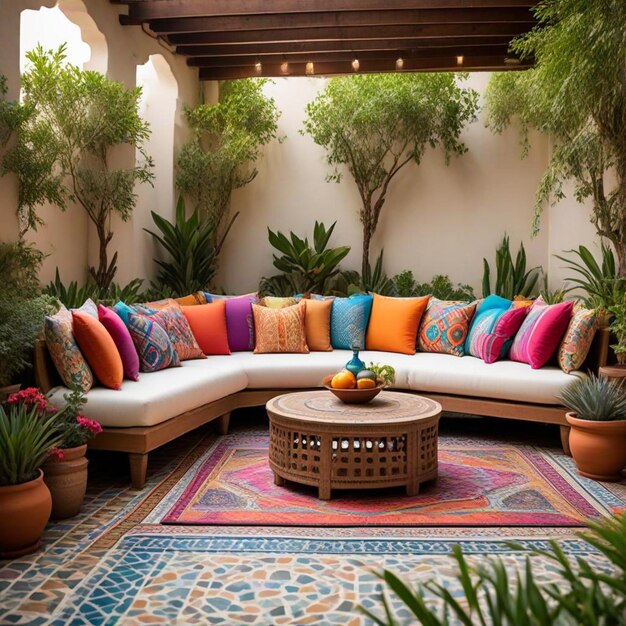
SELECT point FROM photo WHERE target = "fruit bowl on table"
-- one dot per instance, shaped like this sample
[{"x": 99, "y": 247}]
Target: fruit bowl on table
[{"x": 352, "y": 396}]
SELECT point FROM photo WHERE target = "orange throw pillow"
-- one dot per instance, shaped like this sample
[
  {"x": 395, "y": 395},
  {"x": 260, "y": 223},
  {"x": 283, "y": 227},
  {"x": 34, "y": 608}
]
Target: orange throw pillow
[
  {"x": 394, "y": 323},
  {"x": 280, "y": 330},
  {"x": 208, "y": 325},
  {"x": 99, "y": 349},
  {"x": 192, "y": 299},
  {"x": 317, "y": 324}
]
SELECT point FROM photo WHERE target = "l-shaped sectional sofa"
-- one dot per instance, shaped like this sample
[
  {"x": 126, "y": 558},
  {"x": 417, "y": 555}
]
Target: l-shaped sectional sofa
[{"x": 163, "y": 405}]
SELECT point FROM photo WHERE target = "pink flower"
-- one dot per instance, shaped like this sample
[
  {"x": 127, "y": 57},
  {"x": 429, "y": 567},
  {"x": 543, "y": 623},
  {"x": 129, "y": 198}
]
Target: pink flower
[
  {"x": 29, "y": 397},
  {"x": 56, "y": 454},
  {"x": 90, "y": 425}
]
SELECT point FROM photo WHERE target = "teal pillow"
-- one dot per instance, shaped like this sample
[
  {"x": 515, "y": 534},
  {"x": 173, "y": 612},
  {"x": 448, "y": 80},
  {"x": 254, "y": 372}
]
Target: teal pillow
[
  {"x": 124, "y": 311},
  {"x": 487, "y": 310},
  {"x": 348, "y": 321}
]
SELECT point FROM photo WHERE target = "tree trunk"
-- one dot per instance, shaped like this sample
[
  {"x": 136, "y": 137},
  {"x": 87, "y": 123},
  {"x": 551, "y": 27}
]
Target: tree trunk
[
  {"x": 620, "y": 250},
  {"x": 103, "y": 276},
  {"x": 366, "y": 219}
]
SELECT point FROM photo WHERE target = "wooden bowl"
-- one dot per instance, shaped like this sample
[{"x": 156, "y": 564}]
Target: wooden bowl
[{"x": 352, "y": 396}]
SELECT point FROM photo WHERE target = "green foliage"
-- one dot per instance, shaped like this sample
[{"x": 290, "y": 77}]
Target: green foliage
[
  {"x": 552, "y": 296},
  {"x": 26, "y": 437},
  {"x": 601, "y": 281},
  {"x": 305, "y": 268},
  {"x": 222, "y": 156},
  {"x": 66, "y": 130},
  {"x": 491, "y": 595},
  {"x": 385, "y": 374},
  {"x": 72, "y": 295},
  {"x": 618, "y": 328},
  {"x": 575, "y": 93},
  {"x": 22, "y": 308},
  {"x": 596, "y": 398},
  {"x": 375, "y": 124},
  {"x": 189, "y": 243},
  {"x": 440, "y": 287},
  {"x": 512, "y": 279},
  {"x": 373, "y": 280}
]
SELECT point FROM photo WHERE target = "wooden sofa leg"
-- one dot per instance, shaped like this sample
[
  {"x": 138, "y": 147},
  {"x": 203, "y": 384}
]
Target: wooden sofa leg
[
  {"x": 565, "y": 440},
  {"x": 138, "y": 468},
  {"x": 222, "y": 423}
]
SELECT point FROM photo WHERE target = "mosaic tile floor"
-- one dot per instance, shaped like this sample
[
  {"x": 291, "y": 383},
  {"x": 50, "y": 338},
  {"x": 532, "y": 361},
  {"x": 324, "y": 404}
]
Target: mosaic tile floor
[{"x": 108, "y": 567}]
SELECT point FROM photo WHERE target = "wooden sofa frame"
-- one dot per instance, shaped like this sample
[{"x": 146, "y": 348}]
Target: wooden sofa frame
[{"x": 139, "y": 441}]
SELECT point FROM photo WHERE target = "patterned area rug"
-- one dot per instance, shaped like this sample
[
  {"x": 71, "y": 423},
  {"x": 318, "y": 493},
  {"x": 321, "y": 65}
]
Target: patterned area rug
[{"x": 480, "y": 484}]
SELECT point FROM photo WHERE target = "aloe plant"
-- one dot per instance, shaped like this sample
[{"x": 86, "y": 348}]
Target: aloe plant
[
  {"x": 374, "y": 280},
  {"x": 192, "y": 256},
  {"x": 600, "y": 281},
  {"x": 596, "y": 398},
  {"x": 512, "y": 278},
  {"x": 304, "y": 267}
]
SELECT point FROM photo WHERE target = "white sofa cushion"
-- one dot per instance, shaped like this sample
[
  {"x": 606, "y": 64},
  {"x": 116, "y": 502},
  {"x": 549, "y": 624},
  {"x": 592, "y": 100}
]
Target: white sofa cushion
[
  {"x": 159, "y": 396},
  {"x": 502, "y": 380}
]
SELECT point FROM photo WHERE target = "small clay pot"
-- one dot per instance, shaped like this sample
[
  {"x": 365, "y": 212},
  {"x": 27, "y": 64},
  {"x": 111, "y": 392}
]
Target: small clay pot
[
  {"x": 67, "y": 481},
  {"x": 25, "y": 513},
  {"x": 598, "y": 448}
]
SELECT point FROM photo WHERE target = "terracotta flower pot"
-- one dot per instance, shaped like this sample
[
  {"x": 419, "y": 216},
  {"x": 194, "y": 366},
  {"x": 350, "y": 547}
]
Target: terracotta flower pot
[
  {"x": 25, "y": 513},
  {"x": 598, "y": 448},
  {"x": 5, "y": 392},
  {"x": 67, "y": 481}
]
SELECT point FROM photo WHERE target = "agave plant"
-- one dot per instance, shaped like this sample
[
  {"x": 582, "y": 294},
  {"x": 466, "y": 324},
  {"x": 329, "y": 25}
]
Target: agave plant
[
  {"x": 600, "y": 281},
  {"x": 305, "y": 267},
  {"x": 189, "y": 244},
  {"x": 512, "y": 279},
  {"x": 596, "y": 398},
  {"x": 489, "y": 594}
]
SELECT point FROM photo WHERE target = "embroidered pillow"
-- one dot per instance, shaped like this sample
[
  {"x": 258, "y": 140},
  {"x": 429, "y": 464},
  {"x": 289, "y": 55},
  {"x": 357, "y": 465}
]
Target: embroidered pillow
[
  {"x": 490, "y": 339},
  {"x": 208, "y": 324},
  {"x": 445, "y": 326},
  {"x": 65, "y": 353},
  {"x": 541, "y": 332},
  {"x": 317, "y": 324},
  {"x": 89, "y": 307},
  {"x": 348, "y": 321},
  {"x": 99, "y": 349},
  {"x": 124, "y": 311},
  {"x": 394, "y": 322},
  {"x": 280, "y": 330},
  {"x": 275, "y": 302},
  {"x": 577, "y": 340},
  {"x": 122, "y": 339},
  {"x": 169, "y": 316},
  {"x": 153, "y": 344}
]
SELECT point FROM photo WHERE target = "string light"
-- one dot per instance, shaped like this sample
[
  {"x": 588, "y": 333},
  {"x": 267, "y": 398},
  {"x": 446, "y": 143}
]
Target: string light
[
  {"x": 309, "y": 68},
  {"x": 356, "y": 65},
  {"x": 399, "y": 63},
  {"x": 258, "y": 67},
  {"x": 459, "y": 60}
]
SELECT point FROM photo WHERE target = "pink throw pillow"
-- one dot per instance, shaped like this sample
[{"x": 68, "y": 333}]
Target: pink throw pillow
[
  {"x": 541, "y": 333},
  {"x": 495, "y": 345},
  {"x": 122, "y": 340}
]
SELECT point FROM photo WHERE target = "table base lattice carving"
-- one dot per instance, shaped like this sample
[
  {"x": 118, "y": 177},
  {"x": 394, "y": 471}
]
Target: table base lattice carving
[{"x": 316, "y": 440}]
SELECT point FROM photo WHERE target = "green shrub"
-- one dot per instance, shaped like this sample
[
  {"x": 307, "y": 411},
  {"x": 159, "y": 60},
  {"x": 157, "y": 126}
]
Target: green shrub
[{"x": 440, "y": 287}]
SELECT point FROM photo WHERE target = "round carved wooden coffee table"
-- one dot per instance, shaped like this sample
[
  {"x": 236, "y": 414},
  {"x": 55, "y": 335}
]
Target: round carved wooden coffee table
[{"x": 317, "y": 440}]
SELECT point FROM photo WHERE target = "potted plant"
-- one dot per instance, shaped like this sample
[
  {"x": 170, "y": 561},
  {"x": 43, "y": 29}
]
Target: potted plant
[
  {"x": 598, "y": 426},
  {"x": 618, "y": 328},
  {"x": 65, "y": 470},
  {"x": 28, "y": 431}
]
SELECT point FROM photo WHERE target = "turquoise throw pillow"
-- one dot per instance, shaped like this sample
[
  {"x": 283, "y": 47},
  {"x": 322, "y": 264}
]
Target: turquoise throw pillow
[
  {"x": 485, "y": 318},
  {"x": 348, "y": 321},
  {"x": 124, "y": 311}
]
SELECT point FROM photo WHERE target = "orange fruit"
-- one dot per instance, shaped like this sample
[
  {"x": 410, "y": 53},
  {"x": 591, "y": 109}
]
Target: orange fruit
[
  {"x": 343, "y": 380},
  {"x": 365, "y": 383}
]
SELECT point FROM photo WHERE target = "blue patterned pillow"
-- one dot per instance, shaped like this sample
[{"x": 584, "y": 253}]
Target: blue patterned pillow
[
  {"x": 487, "y": 314},
  {"x": 124, "y": 311},
  {"x": 152, "y": 343},
  {"x": 348, "y": 321}
]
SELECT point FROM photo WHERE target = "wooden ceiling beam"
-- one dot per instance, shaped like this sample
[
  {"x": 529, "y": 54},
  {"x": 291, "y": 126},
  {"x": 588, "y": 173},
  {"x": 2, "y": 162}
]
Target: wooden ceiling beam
[
  {"x": 143, "y": 11},
  {"x": 446, "y": 64},
  {"x": 336, "y": 18},
  {"x": 331, "y": 57},
  {"x": 398, "y": 31},
  {"x": 451, "y": 43}
]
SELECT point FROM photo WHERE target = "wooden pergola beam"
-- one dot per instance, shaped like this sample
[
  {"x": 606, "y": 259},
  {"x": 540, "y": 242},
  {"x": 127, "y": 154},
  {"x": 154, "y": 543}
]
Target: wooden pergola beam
[
  {"x": 398, "y": 31},
  {"x": 340, "y": 18},
  {"x": 143, "y": 11},
  {"x": 444, "y": 64}
]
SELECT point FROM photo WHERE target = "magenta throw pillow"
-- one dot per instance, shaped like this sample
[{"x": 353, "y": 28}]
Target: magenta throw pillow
[
  {"x": 240, "y": 323},
  {"x": 541, "y": 333},
  {"x": 491, "y": 338},
  {"x": 122, "y": 340}
]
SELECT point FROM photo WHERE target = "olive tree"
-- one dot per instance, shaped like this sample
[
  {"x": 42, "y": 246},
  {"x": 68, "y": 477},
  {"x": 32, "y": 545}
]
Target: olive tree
[
  {"x": 226, "y": 144},
  {"x": 576, "y": 93},
  {"x": 69, "y": 124},
  {"x": 378, "y": 123}
]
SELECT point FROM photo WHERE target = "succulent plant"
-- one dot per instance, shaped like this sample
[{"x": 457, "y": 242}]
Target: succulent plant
[{"x": 596, "y": 398}]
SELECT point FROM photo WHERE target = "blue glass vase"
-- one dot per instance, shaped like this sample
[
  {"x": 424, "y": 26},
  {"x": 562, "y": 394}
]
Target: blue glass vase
[{"x": 355, "y": 365}]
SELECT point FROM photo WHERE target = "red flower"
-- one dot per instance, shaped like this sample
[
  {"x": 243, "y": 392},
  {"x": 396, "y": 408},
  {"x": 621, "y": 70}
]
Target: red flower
[
  {"x": 56, "y": 454},
  {"x": 29, "y": 397},
  {"x": 90, "y": 425}
]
